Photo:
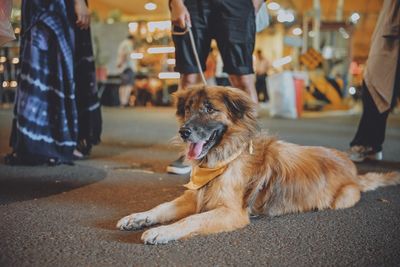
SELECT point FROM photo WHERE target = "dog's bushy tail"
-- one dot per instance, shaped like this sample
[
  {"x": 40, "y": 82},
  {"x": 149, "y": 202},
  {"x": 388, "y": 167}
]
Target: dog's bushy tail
[{"x": 373, "y": 180}]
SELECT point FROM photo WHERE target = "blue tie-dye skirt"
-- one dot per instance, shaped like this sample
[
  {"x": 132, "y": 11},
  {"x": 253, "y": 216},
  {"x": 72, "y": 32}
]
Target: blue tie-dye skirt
[{"x": 57, "y": 108}]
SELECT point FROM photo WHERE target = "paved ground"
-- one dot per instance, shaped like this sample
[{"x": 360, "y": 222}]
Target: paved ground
[{"x": 65, "y": 215}]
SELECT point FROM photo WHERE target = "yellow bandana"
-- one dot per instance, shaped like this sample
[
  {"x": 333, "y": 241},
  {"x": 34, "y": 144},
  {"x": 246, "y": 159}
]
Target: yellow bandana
[{"x": 201, "y": 176}]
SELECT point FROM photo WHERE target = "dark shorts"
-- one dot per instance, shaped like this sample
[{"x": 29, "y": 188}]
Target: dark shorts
[
  {"x": 127, "y": 77},
  {"x": 231, "y": 23}
]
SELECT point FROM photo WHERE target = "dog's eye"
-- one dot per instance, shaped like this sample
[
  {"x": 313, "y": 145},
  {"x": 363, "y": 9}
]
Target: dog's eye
[
  {"x": 187, "y": 110},
  {"x": 209, "y": 109}
]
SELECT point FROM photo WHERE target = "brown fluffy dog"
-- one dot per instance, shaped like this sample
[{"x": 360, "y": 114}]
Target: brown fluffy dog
[{"x": 259, "y": 174}]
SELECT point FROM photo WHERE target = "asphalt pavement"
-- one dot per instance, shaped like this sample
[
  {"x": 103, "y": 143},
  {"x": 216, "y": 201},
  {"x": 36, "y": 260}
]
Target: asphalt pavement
[{"x": 66, "y": 215}]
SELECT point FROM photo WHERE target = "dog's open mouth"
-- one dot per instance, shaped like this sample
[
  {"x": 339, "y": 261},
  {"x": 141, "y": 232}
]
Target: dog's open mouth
[{"x": 199, "y": 149}]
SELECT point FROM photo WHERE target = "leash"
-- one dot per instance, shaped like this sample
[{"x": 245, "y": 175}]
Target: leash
[{"x": 188, "y": 29}]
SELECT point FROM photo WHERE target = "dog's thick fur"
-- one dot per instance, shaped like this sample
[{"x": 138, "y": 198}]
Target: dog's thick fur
[{"x": 275, "y": 178}]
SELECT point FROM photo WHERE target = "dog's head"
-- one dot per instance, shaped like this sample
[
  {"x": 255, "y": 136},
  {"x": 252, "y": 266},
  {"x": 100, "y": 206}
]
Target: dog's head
[{"x": 215, "y": 121}]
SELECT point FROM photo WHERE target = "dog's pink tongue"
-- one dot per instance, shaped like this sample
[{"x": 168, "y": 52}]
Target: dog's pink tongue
[{"x": 195, "y": 150}]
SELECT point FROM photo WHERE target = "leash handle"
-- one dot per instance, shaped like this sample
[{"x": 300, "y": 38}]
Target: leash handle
[{"x": 188, "y": 29}]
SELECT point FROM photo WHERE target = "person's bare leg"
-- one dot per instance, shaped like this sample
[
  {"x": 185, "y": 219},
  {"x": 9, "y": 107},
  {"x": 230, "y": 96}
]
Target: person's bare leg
[
  {"x": 121, "y": 94},
  {"x": 188, "y": 80},
  {"x": 128, "y": 92},
  {"x": 246, "y": 83}
]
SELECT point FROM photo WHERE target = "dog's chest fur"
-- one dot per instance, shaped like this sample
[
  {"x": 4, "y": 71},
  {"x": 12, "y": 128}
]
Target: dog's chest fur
[{"x": 227, "y": 189}]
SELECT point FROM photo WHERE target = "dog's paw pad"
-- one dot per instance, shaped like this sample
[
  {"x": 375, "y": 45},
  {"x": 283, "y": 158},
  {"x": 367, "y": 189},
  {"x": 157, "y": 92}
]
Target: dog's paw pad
[
  {"x": 159, "y": 235},
  {"x": 134, "y": 222}
]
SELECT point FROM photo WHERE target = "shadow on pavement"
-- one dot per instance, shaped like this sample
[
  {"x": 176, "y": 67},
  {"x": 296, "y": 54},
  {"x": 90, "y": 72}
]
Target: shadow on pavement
[{"x": 20, "y": 183}]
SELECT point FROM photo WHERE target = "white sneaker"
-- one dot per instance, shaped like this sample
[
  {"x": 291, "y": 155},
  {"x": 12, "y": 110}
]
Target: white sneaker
[
  {"x": 178, "y": 167},
  {"x": 361, "y": 153}
]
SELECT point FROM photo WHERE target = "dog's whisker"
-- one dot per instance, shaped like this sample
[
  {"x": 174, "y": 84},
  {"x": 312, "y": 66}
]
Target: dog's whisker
[{"x": 176, "y": 141}]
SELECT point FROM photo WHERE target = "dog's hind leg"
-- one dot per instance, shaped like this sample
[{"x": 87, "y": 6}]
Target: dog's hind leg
[
  {"x": 346, "y": 197},
  {"x": 214, "y": 221},
  {"x": 181, "y": 207}
]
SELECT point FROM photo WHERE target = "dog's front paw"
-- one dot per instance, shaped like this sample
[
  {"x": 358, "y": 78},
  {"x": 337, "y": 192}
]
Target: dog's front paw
[
  {"x": 159, "y": 235},
  {"x": 135, "y": 221}
]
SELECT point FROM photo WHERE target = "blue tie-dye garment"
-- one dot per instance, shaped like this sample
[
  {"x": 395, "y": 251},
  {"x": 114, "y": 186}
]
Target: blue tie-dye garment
[{"x": 57, "y": 89}]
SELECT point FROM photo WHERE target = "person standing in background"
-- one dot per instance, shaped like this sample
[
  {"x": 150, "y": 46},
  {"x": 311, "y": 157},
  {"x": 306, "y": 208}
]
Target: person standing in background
[
  {"x": 381, "y": 85},
  {"x": 127, "y": 68},
  {"x": 57, "y": 115},
  {"x": 261, "y": 68}
]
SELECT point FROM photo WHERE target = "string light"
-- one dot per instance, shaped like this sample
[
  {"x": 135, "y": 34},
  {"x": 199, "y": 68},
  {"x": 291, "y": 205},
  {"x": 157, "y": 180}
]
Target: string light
[
  {"x": 273, "y": 6},
  {"x": 161, "y": 50},
  {"x": 354, "y": 17},
  {"x": 285, "y": 16},
  {"x": 281, "y": 61},
  {"x": 150, "y": 6},
  {"x": 171, "y": 61},
  {"x": 136, "y": 55},
  {"x": 169, "y": 75},
  {"x": 133, "y": 26},
  {"x": 297, "y": 31},
  {"x": 13, "y": 84},
  {"x": 159, "y": 25}
]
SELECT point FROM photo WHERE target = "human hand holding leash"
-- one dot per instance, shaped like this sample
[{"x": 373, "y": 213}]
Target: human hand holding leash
[
  {"x": 180, "y": 17},
  {"x": 179, "y": 14}
]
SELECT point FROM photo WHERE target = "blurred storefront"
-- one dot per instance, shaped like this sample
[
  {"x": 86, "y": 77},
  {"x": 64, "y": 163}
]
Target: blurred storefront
[{"x": 323, "y": 43}]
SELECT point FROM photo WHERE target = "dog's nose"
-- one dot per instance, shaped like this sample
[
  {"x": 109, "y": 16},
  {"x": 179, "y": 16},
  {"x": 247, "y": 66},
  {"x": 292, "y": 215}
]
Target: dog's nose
[{"x": 185, "y": 132}]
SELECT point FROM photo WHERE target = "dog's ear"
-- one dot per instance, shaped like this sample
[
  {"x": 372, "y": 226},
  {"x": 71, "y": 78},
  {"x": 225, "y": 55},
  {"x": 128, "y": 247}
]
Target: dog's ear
[
  {"x": 237, "y": 103},
  {"x": 180, "y": 100}
]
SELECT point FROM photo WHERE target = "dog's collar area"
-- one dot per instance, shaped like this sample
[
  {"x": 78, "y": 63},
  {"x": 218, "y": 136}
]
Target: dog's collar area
[{"x": 201, "y": 176}]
